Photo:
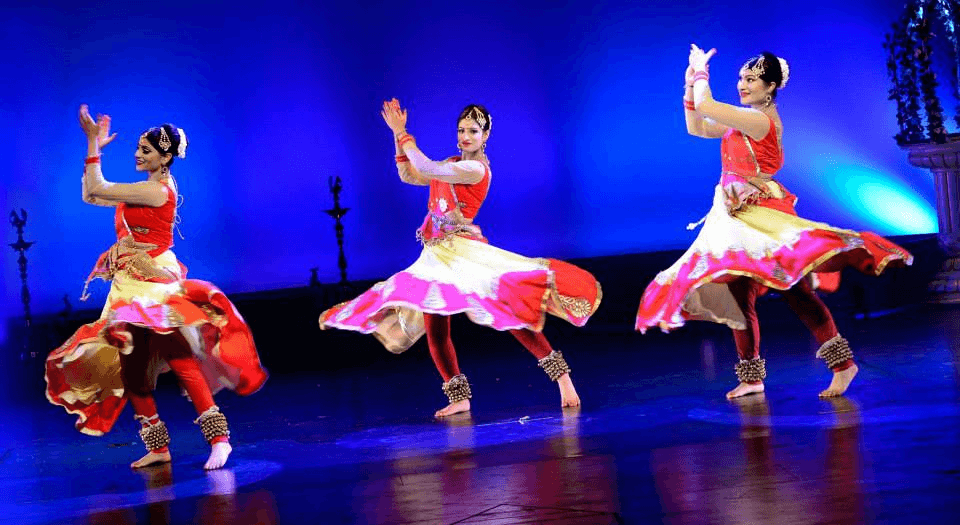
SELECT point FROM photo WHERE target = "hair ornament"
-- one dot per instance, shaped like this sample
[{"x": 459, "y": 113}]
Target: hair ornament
[
  {"x": 785, "y": 69},
  {"x": 759, "y": 68},
  {"x": 477, "y": 115},
  {"x": 182, "y": 148},
  {"x": 164, "y": 141}
]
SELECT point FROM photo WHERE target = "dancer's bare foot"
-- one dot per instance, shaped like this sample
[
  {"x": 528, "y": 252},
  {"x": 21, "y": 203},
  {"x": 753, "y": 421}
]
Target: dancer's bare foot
[
  {"x": 841, "y": 381},
  {"x": 745, "y": 389},
  {"x": 568, "y": 394},
  {"x": 453, "y": 408},
  {"x": 152, "y": 458},
  {"x": 219, "y": 453}
]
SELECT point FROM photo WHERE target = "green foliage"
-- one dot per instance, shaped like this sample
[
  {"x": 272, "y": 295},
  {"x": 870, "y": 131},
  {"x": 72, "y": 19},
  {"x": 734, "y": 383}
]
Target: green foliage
[{"x": 911, "y": 68}]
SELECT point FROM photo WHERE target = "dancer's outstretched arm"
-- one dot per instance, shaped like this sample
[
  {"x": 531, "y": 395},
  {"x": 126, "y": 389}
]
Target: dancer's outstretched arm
[
  {"x": 96, "y": 189},
  {"x": 90, "y": 199},
  {"x": 101, "y": 192},
  {"x": 459, "y": 172},
  {"x": 424, "y": 169},
  {"x": 406, "y": 170},
  {"x": 398, "y": 118},
  {"x": 697, "y": 124},
  {"x": 750, "y": 121}
]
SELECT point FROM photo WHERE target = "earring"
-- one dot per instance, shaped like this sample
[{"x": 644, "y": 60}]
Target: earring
[
  {"x": 165, "y": 171},
  {"x": 459, "y": 148},
  {"x": 483, "y": 147}
]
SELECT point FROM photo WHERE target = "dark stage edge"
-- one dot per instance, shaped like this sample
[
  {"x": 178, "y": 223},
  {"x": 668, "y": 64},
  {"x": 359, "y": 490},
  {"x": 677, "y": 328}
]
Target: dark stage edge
[{"x": 654, "y": 442}]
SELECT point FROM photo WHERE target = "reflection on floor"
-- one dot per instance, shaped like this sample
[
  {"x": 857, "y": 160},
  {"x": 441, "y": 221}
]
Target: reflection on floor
[{"x": 655, "y": 441}]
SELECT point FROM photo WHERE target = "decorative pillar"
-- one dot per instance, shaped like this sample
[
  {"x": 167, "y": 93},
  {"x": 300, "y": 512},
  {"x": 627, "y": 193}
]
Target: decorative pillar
[{"x": 943, "y": 160}]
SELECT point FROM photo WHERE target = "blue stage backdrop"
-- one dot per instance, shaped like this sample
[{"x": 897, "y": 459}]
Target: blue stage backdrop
[{"x": 589, "y": 151}]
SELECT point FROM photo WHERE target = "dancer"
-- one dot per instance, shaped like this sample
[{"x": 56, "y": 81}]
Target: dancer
[
  {"x": 154, "y": 319},
  {"x": 458, "y": 271},
  {"x": 752, "y": 238}
]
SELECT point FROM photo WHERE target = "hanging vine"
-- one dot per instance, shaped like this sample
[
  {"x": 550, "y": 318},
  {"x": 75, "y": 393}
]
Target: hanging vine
[
  {"x": 904, "y": 91},
  {"x": 950, "y": 16},
  {"x": 910, "y": 66}
]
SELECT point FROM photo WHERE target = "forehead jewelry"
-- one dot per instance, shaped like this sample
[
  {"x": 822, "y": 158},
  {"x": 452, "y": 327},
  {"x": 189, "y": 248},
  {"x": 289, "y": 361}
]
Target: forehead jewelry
[
  {"x": 477, "y": 115},
  {"x": 164, "y": 141},
  {"x": 758, "y": 69}
]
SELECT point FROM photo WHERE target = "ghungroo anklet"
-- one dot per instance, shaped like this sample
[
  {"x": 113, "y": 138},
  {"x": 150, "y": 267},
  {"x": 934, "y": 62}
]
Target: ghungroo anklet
[
  {"x": 835, "y": 352},
  {"x": 457, "y": 389},
  {"x": 213, "y": 424},
  {"x": 155, "y": 436},
  {"x": 554, "y": 365},
  {"x": 751, "y": 370}
]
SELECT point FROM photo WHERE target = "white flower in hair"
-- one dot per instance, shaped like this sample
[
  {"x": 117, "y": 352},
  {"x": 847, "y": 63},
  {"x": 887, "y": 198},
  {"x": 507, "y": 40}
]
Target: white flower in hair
[
  {"x": 785, "y": 69},
  {"x": 182, "y": 148}
]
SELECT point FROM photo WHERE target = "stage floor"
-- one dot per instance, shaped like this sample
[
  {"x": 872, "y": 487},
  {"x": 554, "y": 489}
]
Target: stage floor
[{"x": 655, "y": 440}]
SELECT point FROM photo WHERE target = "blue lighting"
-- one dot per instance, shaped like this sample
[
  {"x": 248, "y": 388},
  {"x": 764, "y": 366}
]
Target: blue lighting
[
  {"x": 883, "y": 200},
  {"x": 589, "y": 149}
]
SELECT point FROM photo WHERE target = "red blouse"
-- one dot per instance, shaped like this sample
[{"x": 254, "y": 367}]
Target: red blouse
[
  {"x": 469, "y": 197},
  {"x": 740, "y": 180},
  {"x": 445, "y": 198},
  {"x": 148, "y": 224},
  {"x": 736, "y": 157}
]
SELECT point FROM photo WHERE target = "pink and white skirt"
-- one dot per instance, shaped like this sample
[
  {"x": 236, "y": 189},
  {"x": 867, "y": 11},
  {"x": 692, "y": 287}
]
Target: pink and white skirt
[
  {"x": 773, "y": 247},
  {"x": 493, "y": 287}
]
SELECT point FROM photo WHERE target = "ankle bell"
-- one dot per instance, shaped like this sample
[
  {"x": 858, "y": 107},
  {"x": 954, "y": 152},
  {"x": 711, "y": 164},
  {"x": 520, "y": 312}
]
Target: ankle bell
[
  {"x": 751, "y": 370},
  {"x": 457, "y": 389}
]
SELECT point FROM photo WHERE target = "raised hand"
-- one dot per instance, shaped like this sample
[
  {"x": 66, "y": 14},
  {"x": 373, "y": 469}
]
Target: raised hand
[
  {"x": 99, "y": 129},
  {"x": 699, "y": 58},
  {"x": 87, "y": 124},
  {"x": 104, "y": 137},
  {"x": 395, "y": 117}
]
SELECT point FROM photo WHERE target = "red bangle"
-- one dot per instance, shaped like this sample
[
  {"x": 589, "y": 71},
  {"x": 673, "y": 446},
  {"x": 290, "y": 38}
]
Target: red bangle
[
  {"x": 402, "y": 158},
  {"x": 403, "y": 139},
  {"x": 92, "y": 160},
  {"x": 688, "y": 104},
  {"x": 701, "y": 75}
]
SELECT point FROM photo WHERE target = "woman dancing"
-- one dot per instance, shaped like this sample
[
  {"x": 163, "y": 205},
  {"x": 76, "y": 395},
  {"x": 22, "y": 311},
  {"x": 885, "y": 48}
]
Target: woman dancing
[
  {"x": 752, "y": 238},
  {"x": 458, "y": 271},
  {"x": 154, "y": 319}
]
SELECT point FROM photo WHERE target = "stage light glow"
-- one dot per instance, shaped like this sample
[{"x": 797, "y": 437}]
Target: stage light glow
[{"x": 886, "y": 201}]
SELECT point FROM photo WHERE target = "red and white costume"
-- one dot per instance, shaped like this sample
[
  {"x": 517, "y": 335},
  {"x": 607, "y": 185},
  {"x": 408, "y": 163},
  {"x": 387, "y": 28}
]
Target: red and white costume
[
  {"x": 154, "y": 320},
  {"x": 752, "y": 239},
  {"x": 458, "y": 271}
]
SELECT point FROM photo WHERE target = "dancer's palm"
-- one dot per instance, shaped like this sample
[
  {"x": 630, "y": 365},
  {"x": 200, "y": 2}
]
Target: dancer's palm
[
  {"x": 104, "y": 137},
  {"x": 100, "y": 129},
  {"x": 699, "y": 58},
  {"x": 395, "y": 117}
]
